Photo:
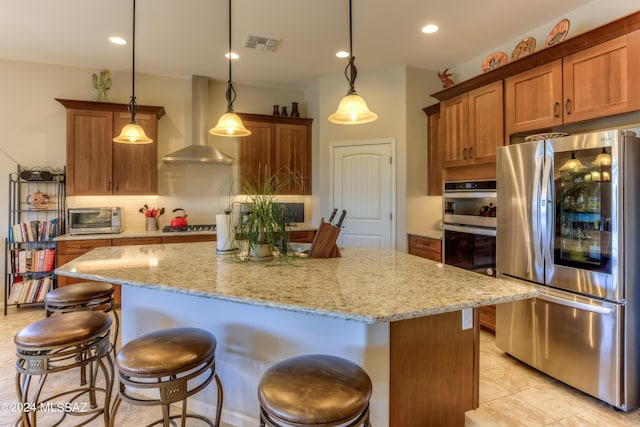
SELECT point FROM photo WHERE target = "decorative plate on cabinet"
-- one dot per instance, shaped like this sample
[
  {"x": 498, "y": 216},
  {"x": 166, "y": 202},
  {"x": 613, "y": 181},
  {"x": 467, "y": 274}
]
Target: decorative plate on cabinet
[
  {"x": 543, "y": 136},
  {"x": 493, "y": 61},
  {"x": 524, "y": 48},
  {"x": 558, "y": 33}
]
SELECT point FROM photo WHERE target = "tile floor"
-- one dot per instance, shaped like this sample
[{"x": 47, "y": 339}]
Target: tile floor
[{"x": 511, "y": 393}]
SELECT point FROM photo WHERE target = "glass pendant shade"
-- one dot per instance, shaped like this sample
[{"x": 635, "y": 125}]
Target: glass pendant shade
[
  {"x": 603, "y": 159},
  {"x": 352, "y": 110},
  {"x": 573, "y": 164},
  {"x": 230, "y": 124},
  {"x": 132, "y": 134}
]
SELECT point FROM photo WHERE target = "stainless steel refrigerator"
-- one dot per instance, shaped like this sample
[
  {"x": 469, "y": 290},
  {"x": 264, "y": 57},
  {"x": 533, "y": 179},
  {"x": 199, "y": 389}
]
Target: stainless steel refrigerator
[{"x": 569, "y": 222}]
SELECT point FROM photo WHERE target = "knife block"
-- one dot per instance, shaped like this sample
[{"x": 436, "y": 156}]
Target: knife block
[{"x": 324, "y": 242}]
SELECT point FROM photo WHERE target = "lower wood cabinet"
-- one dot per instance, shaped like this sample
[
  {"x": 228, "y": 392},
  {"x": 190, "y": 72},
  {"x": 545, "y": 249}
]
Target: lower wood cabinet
[
  {"x": 488, "y": 318},
  {"x": 302, "y": 236},
  {"x": 425, "y": 247}
]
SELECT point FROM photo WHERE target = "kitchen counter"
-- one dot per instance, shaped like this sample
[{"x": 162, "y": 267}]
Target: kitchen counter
[
  {"x": 411, "y": 323},
  {"x": 136, "y": 233},
  {"x": 366, "y": 285}
]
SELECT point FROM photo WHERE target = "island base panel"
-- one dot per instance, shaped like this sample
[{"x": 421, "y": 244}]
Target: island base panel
[{"x": 434, "y": 370}]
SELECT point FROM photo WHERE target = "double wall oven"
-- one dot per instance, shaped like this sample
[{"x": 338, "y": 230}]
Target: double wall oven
[{"x": 469, "y": 223}]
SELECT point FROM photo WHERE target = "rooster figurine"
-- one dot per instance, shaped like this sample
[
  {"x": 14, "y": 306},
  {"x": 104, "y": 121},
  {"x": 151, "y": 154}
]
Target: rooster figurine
[{"x": 445, "y": 78}]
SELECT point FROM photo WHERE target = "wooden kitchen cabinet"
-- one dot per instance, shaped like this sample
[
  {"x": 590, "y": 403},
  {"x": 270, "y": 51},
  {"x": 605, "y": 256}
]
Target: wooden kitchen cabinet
[
  {"x": 136, "y": 241},
  {"x": 488, "y": 318},
  {"x": 434, "y": 151},
  {"x": 305, "y": 236},
  {"x": 595, "y": 82},
  {"x": 472, "y": 126},
  {"x": 98, "y": 166},
  {"x": 190, "y": 238},
  {"x": 276, "y": 143},
  {"x": 425, "y": 247}
]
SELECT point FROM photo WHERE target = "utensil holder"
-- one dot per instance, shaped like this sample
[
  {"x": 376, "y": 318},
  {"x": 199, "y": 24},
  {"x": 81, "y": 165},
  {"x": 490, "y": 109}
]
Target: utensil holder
[{"x": 151, "y": 223}]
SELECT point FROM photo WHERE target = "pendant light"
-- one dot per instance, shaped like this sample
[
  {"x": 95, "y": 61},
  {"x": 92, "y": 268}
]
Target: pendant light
[
  {"x": 133, "y": 133},
  {"x": 603, "y": 159},
  {"x": 573, "y": 164},
  {"x": 352, "y": 110},
  {"x": 230, "y": 124}
]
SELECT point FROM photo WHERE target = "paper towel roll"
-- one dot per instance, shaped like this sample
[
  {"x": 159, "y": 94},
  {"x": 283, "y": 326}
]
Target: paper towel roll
[{"x": 224, "y": 242}]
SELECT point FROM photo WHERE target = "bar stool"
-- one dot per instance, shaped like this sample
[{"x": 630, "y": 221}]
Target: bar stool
[
  {"x": 57, "y": 344},
  {"x": 95, "y": 296},
  {"x": 169, "y": 362},
  {"x": 314, "y": 391}
]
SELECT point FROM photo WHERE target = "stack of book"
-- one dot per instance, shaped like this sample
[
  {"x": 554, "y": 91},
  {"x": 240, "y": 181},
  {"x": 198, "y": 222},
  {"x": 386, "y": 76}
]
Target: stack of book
[
  {"x": 30, "y": 291},
  {"x": 32, "y": 260},
  {"x": 33, "y": 231}
]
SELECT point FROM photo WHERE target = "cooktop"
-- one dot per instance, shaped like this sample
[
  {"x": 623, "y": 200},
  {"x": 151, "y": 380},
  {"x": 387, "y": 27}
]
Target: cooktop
[{"x": 188, "y": 228}]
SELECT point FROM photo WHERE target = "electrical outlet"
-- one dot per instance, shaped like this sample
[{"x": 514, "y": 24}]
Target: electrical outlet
[{"x": 467, "y": 319}]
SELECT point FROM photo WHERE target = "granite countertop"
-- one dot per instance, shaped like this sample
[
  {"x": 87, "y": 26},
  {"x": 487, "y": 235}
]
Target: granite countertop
[
  {"x": 366, "y": 285},
  {"x": 158, "y": 233}
]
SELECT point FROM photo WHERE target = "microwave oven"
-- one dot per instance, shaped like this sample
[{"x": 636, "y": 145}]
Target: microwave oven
[{"x": 94, "y": 220}]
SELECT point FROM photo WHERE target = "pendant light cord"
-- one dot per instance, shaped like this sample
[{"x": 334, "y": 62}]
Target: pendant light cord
[
  {"x": 351, "y": 71},
  {"x": 132, "y": 103},
  {"x": 231, "y": 92}
]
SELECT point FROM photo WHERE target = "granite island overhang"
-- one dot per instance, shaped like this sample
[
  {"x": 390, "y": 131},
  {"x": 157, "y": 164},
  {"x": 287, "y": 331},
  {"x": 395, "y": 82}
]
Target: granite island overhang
[{"x": 391, "y": 312}]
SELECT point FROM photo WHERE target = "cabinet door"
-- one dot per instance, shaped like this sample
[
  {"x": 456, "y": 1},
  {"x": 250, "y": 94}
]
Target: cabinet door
[
  {"x": 602, "y": 80},
  {"x": 69, "y": 250},
  {"x": 434, "y": 156},
  {"x": 454, "y": 116},
  {"x": 89, "y": 152},
  {"x": 486, "y": 123},
  {"x": 533, "y": 99},
  {"x": 136, "y": 241},
  {"x": 293, "y": 152},
  {"x": 135, "y": 169},
  {"x": 256, "y": 153}
]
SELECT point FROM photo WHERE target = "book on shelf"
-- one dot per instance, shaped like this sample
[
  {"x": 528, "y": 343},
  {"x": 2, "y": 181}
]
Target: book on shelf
[
  {"x": 32, "y": 260},
  {"x": 31, "y": 291},
  {"x": 33, "y": 231}
]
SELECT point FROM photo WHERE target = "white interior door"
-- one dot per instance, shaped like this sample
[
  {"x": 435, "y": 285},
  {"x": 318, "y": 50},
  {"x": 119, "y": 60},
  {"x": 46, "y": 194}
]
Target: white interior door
[{"x": 363, "y": 184}]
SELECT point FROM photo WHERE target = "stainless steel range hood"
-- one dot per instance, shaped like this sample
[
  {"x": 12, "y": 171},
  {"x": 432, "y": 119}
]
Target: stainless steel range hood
[{"x": 199, "y": 151}]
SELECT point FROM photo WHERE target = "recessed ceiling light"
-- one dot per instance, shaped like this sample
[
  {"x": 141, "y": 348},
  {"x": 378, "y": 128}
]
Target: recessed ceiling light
[
  {"x": 233, "y": 55},
  {"x": 117, "y": 40},
  {"x": 342, "y": 54},
  {"x": 431, "y": 28}
]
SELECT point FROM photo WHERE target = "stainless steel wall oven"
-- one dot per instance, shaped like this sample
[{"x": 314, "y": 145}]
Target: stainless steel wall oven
[{"x": 469, "y": 218}]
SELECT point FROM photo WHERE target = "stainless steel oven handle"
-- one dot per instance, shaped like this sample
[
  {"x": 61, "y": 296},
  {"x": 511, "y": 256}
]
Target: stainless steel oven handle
[
  {"x": 471, "y": 230},
  {"x": 575, "y": 304},
  {"x": 470, "y": 194}
]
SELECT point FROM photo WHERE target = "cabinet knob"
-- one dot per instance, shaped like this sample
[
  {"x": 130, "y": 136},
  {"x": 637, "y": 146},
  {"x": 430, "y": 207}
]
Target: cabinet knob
[
  {"x": 471, "y": 152},
  {"x": 464, "y": 154},
  {"x": 108, "y": 185},
  {"x": 556, "y": 109},
  {"x": 567, "y": 106}
]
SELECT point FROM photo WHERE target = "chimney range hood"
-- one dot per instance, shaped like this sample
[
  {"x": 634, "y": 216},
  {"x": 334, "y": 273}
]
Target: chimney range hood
[{"x": 199, "y": 151}]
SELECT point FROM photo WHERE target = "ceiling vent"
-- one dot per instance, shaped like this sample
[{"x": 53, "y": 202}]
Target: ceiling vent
[{"x": 260, "y": 43}]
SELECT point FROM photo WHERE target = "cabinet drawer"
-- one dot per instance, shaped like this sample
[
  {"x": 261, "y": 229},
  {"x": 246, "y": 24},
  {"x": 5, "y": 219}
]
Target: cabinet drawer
[
  {"x": 425, "y": 247},
  {"x": 136, "y": 241},
  {"x": 81, "y": 246},
  {"x": 302, "y": 236},
  {"x": 189, "y": 239}
]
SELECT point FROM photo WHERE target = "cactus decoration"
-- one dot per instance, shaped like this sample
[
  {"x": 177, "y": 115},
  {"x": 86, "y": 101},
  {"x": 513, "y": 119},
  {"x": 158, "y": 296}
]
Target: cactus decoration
[{"x": 102, "y": 83}]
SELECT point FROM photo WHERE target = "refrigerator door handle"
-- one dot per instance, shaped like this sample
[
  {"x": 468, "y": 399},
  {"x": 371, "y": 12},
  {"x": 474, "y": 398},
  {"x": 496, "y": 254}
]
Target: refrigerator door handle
[
  {"x": 537, "y": 205},
  {"x": 575, "y": 304},
  {"x": 546, "y": 212}
]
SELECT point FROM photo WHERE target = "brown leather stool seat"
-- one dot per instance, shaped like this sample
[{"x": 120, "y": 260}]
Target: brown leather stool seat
[
  {"x": 177, "y": 362},
  {"x": 314, "y": 390},
  {"x": 61, "y": 343},
  {"x": 96, "y": 296}
]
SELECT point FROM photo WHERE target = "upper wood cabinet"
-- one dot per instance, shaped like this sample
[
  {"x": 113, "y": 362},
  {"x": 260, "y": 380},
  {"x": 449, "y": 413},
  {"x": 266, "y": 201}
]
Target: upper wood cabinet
[
  {"x": 434, "y": 151},
  {"x": 98, "y": 166},
  {"x": 595, "y": 82},
  {"x": 472, "y": 126},
  {"x": 275, "y": 144}
]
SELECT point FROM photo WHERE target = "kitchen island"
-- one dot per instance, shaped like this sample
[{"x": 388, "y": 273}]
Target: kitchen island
[{"x": 410, "y": 323}]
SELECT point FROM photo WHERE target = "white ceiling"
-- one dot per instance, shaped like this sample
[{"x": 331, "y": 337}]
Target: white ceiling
[{"x": 186, "y": 37}]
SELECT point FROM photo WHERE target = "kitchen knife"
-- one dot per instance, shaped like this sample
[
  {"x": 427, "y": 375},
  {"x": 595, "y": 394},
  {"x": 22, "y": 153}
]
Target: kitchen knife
[
  {"x": 341, "y": 219},
  {"x": 333, "y": 215}
]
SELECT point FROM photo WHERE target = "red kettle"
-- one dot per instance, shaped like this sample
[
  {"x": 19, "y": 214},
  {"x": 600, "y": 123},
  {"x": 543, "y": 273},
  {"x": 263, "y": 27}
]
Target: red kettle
[{"x": 179, "y": 221}]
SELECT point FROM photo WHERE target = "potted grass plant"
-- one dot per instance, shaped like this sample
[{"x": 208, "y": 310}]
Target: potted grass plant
[{"x": 260, "y": 231}]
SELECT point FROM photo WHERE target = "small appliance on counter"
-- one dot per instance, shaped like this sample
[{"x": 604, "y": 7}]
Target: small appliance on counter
[{"x": 94, "y": 220}]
